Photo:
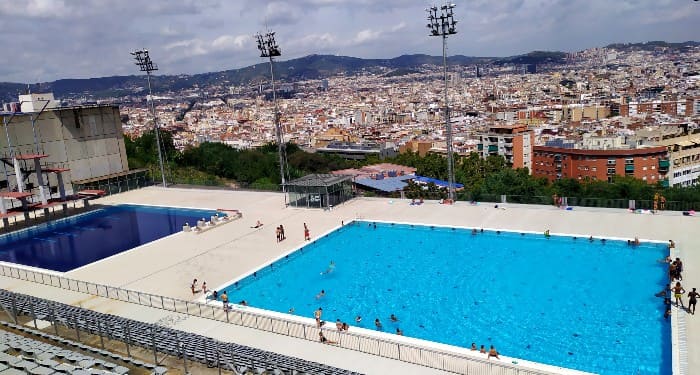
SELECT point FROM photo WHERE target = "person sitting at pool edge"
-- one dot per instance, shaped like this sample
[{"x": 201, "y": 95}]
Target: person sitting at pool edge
[
  {"x": 482, "y": 349},
  {"x": 492, "y": 353},
  {"x": 377, "y": 323},
  {"x": 338, "y": 325},
  {"x": 473, "y": 348},
  {"x": 323, "y": 339},
  {"x": 664, "y": 292}
]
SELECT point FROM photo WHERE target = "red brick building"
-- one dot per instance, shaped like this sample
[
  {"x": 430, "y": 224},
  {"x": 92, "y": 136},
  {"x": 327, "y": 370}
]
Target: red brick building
[{"x": 649, "y": 164}]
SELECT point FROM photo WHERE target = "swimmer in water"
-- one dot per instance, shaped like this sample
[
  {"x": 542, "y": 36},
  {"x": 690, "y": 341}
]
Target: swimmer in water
[{"x": 331, "y": 268}]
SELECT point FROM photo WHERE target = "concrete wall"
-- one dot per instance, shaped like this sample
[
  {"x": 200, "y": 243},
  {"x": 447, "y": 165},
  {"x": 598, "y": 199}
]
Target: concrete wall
[{"x": 87, "y": 140}]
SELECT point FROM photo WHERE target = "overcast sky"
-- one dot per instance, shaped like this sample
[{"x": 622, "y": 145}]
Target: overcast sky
[{"x": 45, "y": 40}]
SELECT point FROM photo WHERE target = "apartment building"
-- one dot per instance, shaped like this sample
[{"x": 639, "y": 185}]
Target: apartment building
[
  {"x": 650, "y": 164},
  {"x": 684, "y": 157},
  {"x": 514, "y": 142}
]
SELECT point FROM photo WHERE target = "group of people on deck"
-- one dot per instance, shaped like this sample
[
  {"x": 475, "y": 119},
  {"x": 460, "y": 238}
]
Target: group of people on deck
[{"x": 675, "y": 273}]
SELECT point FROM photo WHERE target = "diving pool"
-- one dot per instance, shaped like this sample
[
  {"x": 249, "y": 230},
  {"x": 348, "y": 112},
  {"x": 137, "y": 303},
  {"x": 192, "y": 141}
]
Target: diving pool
[
  {"x": 66, "y": 244},
  {"x": 562, "y": 300}
]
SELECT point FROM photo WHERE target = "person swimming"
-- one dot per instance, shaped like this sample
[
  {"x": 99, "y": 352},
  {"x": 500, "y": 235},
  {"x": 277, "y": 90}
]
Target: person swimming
[
  {"x": 331, "y": 268},
  {"x": 393, "y": 318}
]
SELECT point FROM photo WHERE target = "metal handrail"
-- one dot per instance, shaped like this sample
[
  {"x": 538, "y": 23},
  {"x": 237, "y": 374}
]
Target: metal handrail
[{"x": 429, "y": 357}]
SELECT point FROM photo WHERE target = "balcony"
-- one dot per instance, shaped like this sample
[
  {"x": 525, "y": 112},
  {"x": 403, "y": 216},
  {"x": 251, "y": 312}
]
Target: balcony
[
  {"x": 480, "y": 147},
  {"x": 629, "y": 168},
  {"x": 493, "y": 148},
  {"x": 664, "y": 183},
  {"x": 664, "y": 164}
]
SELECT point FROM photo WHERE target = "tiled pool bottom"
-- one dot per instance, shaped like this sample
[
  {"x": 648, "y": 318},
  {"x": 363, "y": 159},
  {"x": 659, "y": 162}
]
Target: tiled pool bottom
[
  {"x": 69, "y": 243},
  {"x": 565, "y": 301}
]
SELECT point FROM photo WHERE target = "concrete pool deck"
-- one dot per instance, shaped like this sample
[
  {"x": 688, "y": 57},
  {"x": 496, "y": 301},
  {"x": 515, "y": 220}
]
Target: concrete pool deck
[{"x": 167, "y": 267}]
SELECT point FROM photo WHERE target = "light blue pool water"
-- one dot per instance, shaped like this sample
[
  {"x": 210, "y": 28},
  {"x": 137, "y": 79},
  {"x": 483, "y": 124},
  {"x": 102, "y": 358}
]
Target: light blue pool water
[
  {"x": 562, "y": 301},
  {"x": 73, "y": 242}
]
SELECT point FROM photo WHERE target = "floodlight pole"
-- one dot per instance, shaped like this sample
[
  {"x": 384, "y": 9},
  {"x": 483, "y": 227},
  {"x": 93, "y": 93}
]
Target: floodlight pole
[
  {"x": 443, "y": 24},
  {"x": 268, "y": 48},
  {"x": 143, "y": 60}
]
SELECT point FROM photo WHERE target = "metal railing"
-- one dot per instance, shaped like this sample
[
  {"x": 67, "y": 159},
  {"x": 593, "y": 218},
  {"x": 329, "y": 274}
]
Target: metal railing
[{"x": 429, "y": 357}]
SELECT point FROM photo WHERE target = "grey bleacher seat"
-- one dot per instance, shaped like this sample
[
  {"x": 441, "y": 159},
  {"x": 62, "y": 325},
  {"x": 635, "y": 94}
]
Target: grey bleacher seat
[
  {"x": 86, "y": 363},
  {"x": 80, "y": 372},
  {"x": 120, "y": 370},
  {"x": 14, "y": 371},
  {"x": 3, "y": 367},
  {"x": 9, "y": 359},
  {"x": 64, "y": 367},
  {"x": 196, "y": 347},
  {"x": 47, "y": 362},
  {"x": 24, "y": 365},
  {"x": 41, "y": 370},
  {"x": 160, "y": 370}
]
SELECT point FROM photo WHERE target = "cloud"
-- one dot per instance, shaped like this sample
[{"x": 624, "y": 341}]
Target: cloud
[
  {"x": 34, "y": 8},
  {"x": 231, "y": 42},
  {"x": 282, "y": 13},
  {"x": 91, "y": 38},
  {"x": 366, "y": 35}
]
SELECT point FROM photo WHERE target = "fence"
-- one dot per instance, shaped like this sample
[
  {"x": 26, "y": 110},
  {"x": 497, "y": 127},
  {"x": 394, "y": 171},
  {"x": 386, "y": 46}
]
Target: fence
[{"x": 429, "y": 357}]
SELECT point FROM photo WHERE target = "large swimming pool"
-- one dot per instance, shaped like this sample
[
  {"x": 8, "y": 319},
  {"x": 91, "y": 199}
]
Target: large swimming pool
[
  {"x": 69, "y": 243},
  {"x": 565, "y": 301}
]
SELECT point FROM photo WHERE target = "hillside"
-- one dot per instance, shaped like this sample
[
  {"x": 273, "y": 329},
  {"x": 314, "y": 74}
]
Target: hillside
[
  {"x": 307, "y": 67},
  {"x": 653, "y": 45}
]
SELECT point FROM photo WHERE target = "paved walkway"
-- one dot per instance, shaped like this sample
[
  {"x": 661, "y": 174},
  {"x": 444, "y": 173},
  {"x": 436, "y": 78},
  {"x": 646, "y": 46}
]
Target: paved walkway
[{"x": 168, "y": 266}]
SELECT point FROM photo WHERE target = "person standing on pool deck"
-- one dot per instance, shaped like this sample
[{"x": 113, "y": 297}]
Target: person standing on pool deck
[
  {"x": 224, "y": 300},
  {"x": 307, "y": 235},
  {"x": 693, "y": 295},
  {"x": 678, "y": 293},
  {"x": 282, "y": 237},
  {"x": 194, "y": 286},
  {"x": 317, "y": 316}
]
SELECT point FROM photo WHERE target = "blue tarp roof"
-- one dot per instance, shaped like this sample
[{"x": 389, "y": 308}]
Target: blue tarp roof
[
  {"x": 437, "y": 182},
  {"x": 387, "y": 184}
]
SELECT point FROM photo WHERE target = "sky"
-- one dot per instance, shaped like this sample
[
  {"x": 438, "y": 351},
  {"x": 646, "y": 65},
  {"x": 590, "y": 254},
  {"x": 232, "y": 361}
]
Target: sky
[{"x": 45, "y": 40}]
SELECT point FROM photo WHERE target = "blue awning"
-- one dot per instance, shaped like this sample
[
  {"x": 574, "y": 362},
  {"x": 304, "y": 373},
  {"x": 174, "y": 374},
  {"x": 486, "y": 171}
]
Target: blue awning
[
  {"x": 437, "y": 182},
  {"x": 386, "y": 184}
]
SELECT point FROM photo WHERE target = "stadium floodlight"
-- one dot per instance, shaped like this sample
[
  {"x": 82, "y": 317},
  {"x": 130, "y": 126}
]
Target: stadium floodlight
[
  {"x": 144, "y": 62},
  {"x": 268, "y": 48},
  {"x": 442, "y": 23}
]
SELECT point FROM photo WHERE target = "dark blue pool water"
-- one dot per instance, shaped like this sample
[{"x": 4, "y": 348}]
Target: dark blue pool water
[
  {"x": 571, "y": 302},
  {"x": 73, "y": 242}
]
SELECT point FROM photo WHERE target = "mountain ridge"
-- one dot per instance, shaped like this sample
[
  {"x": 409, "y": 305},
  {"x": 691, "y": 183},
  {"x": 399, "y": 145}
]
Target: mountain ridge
[{"x": 313, "y": 66}]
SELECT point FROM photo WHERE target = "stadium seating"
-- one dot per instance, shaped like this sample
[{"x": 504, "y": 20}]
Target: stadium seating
[{"x": 240, "y": 359}]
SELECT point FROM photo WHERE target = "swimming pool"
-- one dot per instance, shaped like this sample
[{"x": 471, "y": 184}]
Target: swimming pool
[
  {"x": 562, "y": 301},
  {"x": 69, "y": 243}
]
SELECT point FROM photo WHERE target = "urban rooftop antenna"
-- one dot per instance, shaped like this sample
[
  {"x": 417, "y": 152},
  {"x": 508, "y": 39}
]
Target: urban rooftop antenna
[
  {"x": 442, "y": 23},
  {"x": 143, "y": 60},
  {"x": 268, "y": 48}
]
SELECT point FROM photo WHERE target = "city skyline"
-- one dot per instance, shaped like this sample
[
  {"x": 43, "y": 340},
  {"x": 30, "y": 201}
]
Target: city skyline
[{"x": 55, "y": 39}]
